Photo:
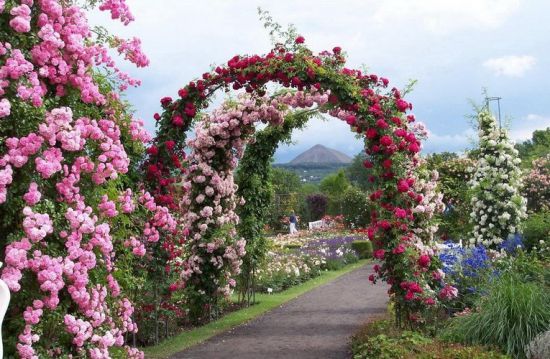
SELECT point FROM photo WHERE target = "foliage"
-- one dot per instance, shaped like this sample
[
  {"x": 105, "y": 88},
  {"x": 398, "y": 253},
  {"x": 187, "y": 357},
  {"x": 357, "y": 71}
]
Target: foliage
[
  {"x": 254, "y": 178},
  {"x": 363, "y": 248},
  {"x": 454, "y": 175},
  {"x": 536, "y": 229},
  {"x": 334, "y": 186},
  {"x": 357, "y": 175},
  {"x": 497, "y": 205},
  {"x": 356, "y": 207},
  {"x": 380, "y": 339},
  {"x": 536, "y": 147},
  {"x": 510, "y": 316}
]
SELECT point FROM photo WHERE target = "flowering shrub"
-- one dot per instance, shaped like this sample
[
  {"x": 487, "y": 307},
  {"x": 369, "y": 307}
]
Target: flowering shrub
[
  {"x": 497, "y": 205},
  {"x": 73, "y": 228},
  {"x": 537, "y": 185},
  {"x": 210, "y": 199}
]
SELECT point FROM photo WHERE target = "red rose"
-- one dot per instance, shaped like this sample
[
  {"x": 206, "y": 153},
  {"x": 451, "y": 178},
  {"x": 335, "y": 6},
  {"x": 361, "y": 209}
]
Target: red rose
[
  {"x": 409, "y": 295},
  {"x": 400, "y": 213},
  {"x": 300, "y": 40},
  {"x": 414, "y": 147},
  {"x": 183, "y": 93},
  {"x": 372, "y": 278},
  {"x": 153, "y": 150},
  {"x": 337, "y": 50},
  {"x": 379, "y": 254},
  {"x": 386, "y": 140},
  {"x": 173, "y": 287},
  {"x": 429, "y": 301},
  {"x": 371, "y": 133},
  {"x": 156, "y": 116},
  {"x": 165, "y": 101},
  {"x": 382, "y": 124},
  {"x": 402, "y": 185},
  {"x": 367, "y": 164},
  {"x": 387, "y": 163},
  {"x": 415, "y": 287},
  {"x": 170, "y": 145},
  {"x": 177, "y": 121},
  {"x": 402, "y": 105},
  {"x": 351, "y": 120},
  {"x": 399, "y": 249},
  {"x": 424, "y": 261}
]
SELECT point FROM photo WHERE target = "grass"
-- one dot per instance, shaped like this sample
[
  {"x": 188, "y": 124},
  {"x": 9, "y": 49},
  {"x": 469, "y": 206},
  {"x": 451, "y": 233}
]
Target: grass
[{"x": 265, "y": 303}]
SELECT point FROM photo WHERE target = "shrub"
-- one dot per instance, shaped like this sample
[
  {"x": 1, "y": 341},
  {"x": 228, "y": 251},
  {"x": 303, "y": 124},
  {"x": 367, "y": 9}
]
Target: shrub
[
  {"x": 362, "y": 248},
  {"x": 536, "y": 229},
  {"x": 512, "y": 314},
  {"x": 381, "y": 339},
  {"x": 355, "y": 207},
  {"x": 317, "y": 205}
]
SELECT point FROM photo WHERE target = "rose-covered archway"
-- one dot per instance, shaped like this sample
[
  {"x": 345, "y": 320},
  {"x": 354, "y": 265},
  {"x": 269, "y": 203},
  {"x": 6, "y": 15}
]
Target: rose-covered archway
[{"x": 362, "y": 100}]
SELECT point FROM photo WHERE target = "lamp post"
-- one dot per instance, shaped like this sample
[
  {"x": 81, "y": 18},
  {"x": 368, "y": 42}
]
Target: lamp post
[{"x": 497, "y": 99}]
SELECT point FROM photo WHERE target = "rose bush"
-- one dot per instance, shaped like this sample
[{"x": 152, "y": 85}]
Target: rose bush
[{"x": 74, "y": 221}]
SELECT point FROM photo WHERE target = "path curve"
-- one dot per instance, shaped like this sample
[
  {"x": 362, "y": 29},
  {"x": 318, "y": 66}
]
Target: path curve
[{"x": 316, "y": 325}]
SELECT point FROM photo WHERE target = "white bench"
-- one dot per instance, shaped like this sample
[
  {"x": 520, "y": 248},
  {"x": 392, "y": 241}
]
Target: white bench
[{"x": 316, "y": 225}]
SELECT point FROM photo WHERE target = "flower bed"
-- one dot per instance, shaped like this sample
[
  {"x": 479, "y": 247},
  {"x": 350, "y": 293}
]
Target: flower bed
[{"x": 295, "y": 259}]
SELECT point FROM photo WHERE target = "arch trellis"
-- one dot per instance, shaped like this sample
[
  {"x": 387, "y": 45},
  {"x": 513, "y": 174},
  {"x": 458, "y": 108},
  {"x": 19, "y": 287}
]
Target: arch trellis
[{"x": 371, "y": 110}]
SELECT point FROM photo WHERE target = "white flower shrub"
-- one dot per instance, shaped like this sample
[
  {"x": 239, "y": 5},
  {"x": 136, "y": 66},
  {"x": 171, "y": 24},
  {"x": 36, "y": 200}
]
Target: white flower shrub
[{"x": 497, "y": 204}]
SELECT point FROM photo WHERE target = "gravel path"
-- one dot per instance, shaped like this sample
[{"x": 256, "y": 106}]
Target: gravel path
[{"x": 316, "y": 325}]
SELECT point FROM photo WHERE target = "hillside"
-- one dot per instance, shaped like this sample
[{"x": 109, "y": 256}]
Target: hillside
[
  {"x": 317, "y": 162},
  {"x": 321, "y": 155}
]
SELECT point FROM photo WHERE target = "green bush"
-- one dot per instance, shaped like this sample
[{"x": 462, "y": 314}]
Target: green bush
[
  {"x": 362, "y": 248},
  {"x": 536, "y": 228},
  {"x": 355, "y": 207},
  {"x": 512, "y": 314},
  {"x": 382, "y": 340}
]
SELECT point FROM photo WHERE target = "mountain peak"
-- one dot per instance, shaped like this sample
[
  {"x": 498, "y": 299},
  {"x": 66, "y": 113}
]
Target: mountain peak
[{"x": 321, "y": 154}]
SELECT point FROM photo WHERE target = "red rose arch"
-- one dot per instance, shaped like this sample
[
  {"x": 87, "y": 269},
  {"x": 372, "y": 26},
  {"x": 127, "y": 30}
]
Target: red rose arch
[{"x": 370, "y": 107}]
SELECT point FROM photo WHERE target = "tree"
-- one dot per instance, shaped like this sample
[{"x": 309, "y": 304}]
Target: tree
[
  {"x": 537, "y": 147},
  {"x": 317, "y": 205},
  {"x": 498, "y": 207},
  {"x": 357, "y": 174},
  {"x": 334, "y": 186}
]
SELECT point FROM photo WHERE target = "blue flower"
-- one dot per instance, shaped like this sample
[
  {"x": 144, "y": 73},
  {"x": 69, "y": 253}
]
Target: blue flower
[{"x": 511, "y": 244}]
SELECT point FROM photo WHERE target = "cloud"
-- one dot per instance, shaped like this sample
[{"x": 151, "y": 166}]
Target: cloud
[
  {"x": 521, "y": 130},
  {"x": 457, "y": 142},
  {"x": 514, "y": 66},
  {"x": 441, "y": 17}
]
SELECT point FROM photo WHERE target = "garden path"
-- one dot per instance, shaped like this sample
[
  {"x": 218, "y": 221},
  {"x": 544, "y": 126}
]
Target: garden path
[{"x": 316, "y": 325}]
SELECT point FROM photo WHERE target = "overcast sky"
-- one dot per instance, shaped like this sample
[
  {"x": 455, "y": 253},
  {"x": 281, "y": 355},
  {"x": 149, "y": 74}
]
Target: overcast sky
[{"x": 453, "y": 49}]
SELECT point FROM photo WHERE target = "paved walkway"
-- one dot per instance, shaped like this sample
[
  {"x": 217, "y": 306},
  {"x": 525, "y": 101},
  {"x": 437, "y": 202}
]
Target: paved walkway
[{"x": 316, "y": 325}]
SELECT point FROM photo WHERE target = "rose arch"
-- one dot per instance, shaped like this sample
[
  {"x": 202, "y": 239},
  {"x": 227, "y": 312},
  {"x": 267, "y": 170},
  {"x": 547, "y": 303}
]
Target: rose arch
[{"x": 207, "y": 253}]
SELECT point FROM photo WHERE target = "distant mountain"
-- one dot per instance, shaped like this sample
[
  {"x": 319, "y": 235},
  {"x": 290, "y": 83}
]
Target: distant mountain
[{"x": 320, "y": 154}]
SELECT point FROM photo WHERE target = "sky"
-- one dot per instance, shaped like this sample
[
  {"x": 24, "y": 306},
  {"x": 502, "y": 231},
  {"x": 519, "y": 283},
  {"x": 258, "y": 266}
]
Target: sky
[{"x": 455, "y": 50}]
